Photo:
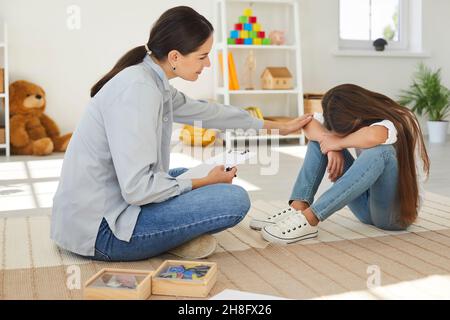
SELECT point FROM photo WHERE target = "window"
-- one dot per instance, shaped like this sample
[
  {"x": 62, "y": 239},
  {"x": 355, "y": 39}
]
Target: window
[{"x": 363, "y": 21}]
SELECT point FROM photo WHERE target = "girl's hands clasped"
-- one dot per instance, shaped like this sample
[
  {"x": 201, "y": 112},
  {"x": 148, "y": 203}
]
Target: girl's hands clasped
[
  {"x": 330, "y": 142},
  {"x": 330, "y": 145},
  {"x": 335, "y": 167}
]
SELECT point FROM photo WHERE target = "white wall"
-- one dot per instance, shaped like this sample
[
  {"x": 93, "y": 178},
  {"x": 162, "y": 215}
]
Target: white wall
[
  {"x": 66, "y": 63},
  {"x": 387, "y": 75},
  {"x": 322, "y": 69}
]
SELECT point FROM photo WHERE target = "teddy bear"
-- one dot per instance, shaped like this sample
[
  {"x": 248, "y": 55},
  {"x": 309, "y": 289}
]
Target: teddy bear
[{"x": 32, "y": 131}]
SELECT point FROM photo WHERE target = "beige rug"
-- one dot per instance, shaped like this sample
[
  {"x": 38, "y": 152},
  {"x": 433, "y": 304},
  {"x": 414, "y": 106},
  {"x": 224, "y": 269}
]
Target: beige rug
[{"x": 339, "y": 264}]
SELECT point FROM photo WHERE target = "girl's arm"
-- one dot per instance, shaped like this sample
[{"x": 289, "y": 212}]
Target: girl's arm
[
  {"x": 315, "y": 130},
  {"x": 366, "y": 137}
]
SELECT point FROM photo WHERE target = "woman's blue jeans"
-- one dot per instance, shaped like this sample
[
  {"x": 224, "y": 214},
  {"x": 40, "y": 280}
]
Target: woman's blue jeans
[
  {"x": 166, "y": 225},
  {"x": 368, "y": 186}
]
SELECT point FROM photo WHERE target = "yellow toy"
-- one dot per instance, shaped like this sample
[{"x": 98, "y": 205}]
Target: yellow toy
[
  {"x": 255, "y": 112},
  {"x": 197, "y": 136}
]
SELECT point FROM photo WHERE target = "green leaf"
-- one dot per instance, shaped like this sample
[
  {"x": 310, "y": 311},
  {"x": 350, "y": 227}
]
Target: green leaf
[{"x": 426, "y": 95}]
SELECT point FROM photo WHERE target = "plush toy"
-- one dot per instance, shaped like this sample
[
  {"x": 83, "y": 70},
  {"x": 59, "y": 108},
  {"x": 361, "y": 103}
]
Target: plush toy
[
  {"x": 32, "y": 131},
  {"x": 277, "y": 37}
]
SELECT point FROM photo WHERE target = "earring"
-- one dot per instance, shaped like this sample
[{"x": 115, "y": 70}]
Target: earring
[{"x": 174, "y": 68}]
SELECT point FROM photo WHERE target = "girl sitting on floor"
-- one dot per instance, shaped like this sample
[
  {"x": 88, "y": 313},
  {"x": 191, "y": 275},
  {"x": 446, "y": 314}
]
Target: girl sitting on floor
[{"x": 382, "y": 186}]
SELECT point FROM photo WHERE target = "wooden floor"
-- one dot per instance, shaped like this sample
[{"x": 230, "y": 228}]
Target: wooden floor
[
  {"x": 348, "y": 260},
  {"x": 345, "y": 255}
]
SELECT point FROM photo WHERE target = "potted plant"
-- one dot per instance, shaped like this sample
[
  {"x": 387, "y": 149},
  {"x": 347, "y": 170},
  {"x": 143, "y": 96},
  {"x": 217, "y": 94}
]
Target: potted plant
[{"x": 427, "y": 96}]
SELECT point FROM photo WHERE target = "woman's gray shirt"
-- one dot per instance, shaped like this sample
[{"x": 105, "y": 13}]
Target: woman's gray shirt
[{"x": 118, "y": 157}]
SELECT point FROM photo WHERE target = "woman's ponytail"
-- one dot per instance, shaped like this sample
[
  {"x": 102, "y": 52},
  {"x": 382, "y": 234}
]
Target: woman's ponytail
[
  {"x": 131, "y": 58},
  {"x": 180, "y": 28}
]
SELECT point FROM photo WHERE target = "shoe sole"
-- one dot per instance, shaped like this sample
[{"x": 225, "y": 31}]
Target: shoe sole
[
  {"x": 203, "y": 256},
  {"x": 271, "y": 238}
]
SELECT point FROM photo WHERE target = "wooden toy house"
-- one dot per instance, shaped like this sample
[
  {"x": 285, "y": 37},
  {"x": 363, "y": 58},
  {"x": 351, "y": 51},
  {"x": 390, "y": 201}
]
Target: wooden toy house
[{"x": 275, "y": 78}]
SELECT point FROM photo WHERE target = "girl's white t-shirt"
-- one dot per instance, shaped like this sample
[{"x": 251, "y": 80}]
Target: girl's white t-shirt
[{"x": 391, "y": 139}]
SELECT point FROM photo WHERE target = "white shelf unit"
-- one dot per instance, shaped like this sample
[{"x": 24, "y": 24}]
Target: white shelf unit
[
  {"x": 227, "y": 13},
  {"x": 4, "y": 97}
]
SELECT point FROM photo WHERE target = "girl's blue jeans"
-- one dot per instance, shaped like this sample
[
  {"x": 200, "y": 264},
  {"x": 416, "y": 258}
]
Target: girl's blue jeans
[
  {"x": 166, "y": 225},
  {"x": 368, "y": 186}
]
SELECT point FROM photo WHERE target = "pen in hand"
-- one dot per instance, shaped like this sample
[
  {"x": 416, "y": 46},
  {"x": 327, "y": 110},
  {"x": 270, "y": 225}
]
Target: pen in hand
[{"x": 229, "y": 169}]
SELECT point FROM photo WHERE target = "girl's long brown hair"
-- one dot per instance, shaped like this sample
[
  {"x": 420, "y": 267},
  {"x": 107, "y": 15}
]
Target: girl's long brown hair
[{"x": 348, "y": 107}]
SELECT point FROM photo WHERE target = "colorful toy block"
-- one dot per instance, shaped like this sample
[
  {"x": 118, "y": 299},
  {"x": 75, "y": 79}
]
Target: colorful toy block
[
  {"x": 234, "y": 34},
  {"x": 248, "y": 31},
  {"x": 248, "y": 26},
  {"x": 243, "y": 19},
  {"x": 256, "y": 27},
  {"x": 243, "y": 34},
  {"x": 257, "y": 41}
]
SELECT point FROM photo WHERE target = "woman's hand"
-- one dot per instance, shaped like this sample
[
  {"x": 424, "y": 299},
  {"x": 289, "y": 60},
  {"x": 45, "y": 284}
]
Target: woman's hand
[
  {"x": 335, "y": 167},
  {"x": 285, "y": 128},
  {"x": 330, "y": 142},
  {"x": 216, "y": 175},
  {"x": 295, "y": 125},
  {"x": 219, "y": 175}
]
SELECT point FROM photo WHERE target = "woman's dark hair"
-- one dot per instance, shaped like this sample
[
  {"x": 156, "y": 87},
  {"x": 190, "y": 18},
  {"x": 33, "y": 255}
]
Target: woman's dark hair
[
  {"x": 179, "y": 28},
  {"x": 348, "y": 107}
]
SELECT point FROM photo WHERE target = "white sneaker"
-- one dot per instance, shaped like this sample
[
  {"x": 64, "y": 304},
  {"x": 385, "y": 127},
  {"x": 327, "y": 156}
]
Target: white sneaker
[
  {"x": 292, "y": 229},
  {"x": 259, "y": 223}
]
